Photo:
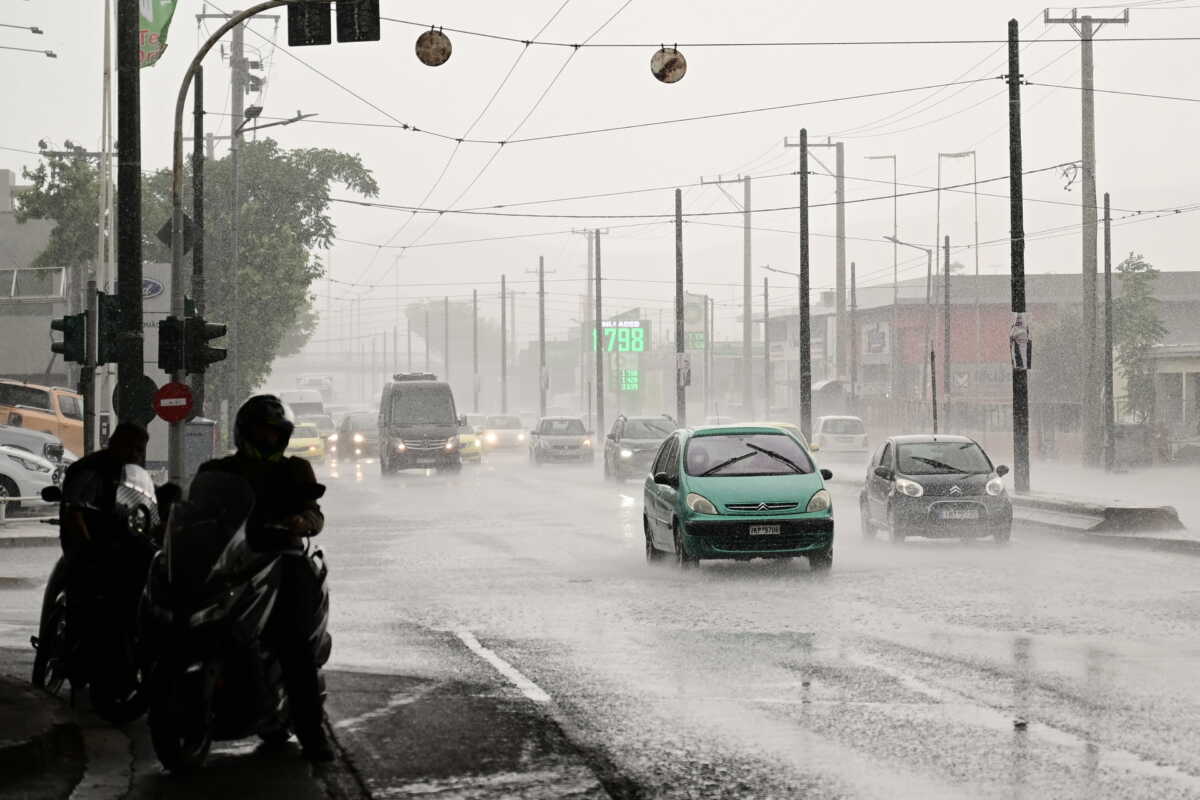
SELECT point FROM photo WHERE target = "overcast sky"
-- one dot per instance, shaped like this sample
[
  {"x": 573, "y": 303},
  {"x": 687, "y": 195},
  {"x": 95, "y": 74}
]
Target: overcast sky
[{"x": 1146, "y": 147}]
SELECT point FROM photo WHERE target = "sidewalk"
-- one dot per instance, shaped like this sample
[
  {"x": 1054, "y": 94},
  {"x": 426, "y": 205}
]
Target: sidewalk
[
  {"x": 41, "y": 746},
  {"x": 17, "y": 532},
  {"x": 1152, "y": 486}
]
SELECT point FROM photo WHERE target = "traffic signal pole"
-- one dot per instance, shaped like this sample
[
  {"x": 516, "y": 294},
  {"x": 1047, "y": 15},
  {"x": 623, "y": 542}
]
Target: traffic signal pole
[{"x": 129, "y": 204}]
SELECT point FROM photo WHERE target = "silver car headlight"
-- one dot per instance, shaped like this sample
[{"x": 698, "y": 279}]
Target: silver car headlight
[
  {"x": 520, "y": 437},
  {"x": 30, "y": 465},
  {"x": 587, "y": 443},
  {"x": 700, "y": 504},
  {"x": 333, "y": 437},
  {"x": 820, "y": 501},
  {"x": 452, "y": 443},
  {"x": 626, "y": 453},
  {"x": 359, "y": 438},
  {"x": 911, "y": 488},
  {"x": 995, "y": 487}
]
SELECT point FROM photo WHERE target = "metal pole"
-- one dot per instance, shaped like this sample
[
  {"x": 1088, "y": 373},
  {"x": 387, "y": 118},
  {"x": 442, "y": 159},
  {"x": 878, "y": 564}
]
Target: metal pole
[
  {"x": 978, "y": 317},
  {"x": 853, "y": 334},
  {"x": 1016, "y": 192},
  {"x": 599, "y": 323},
  {"x": 408, "y": 339},
  {"x": 503, "y": 344},
  {"x": 766, "y": 348},
  {"x": 708, "y": 383},
  {"x": 198, "y": 224},
  {"x": 541, "y": 337},
  {"x": 87, "y": 371},
  {"x": 805, "y": 322},
  {"x": 1110, "y": 444},
  {"x": 426, "y": 336},
  {"x": 680, "y": 388},
  {"x": 747, "y": 308},
  {"x": 933, "y": 388},
  {"x": 237, "y": 96},
  {"x": 446, "y": 337},
  {"x": 840, "y": 279},
  {"x": 129, "y": 203},
  {"x": 946, "y": 333}
]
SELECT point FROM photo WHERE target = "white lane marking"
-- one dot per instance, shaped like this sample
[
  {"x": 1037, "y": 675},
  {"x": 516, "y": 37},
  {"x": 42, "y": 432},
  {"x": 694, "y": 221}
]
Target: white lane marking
[
  {"x": 527, "y": 687},
  {"x": 395, "y": 701}
]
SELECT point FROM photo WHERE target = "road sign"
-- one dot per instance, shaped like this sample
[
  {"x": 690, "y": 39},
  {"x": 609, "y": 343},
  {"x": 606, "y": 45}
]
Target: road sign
[
  {"x": 173, "y": 402},
  {"x": 143, "y": 401}
]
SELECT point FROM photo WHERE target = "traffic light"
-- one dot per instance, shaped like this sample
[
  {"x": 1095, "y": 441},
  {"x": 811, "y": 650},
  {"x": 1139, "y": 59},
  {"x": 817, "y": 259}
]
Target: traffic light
[
  {"x": 108, "y": 328},
  {"x": 358, "y": 21},
  {"x": 73, "y": 346},
  {"x": 170, "y": 344},
  {"x": 197, "y": 355}
]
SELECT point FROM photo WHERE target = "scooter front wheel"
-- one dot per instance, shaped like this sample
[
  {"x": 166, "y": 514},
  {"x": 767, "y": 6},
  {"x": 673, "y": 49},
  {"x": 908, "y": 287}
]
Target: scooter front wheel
[{"x": 179, "y": 726}]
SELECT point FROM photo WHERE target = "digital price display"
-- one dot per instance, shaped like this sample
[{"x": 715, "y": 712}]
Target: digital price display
[
  {"x": 630, "y": 380},
  {"x": 622, "y": 336}
]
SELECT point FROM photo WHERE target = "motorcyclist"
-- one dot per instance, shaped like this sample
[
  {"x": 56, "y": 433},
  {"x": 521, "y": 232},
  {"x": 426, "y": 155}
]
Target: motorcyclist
[{"x": 283, "y": 513}]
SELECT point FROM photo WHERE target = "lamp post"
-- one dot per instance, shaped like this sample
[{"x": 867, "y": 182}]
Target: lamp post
[
  {"x": 895, "y": 269},
  {"x": 928, "y": 251},
  {"x": 975, "y": 191}
]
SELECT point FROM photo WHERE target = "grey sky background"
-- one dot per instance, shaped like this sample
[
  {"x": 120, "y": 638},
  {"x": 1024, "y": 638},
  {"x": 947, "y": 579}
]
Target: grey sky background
[{"x": 1145, "y": 146}]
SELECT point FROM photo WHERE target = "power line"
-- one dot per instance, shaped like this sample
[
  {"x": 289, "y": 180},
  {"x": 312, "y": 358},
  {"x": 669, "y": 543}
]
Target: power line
[{"x": 1146, "y": 95}]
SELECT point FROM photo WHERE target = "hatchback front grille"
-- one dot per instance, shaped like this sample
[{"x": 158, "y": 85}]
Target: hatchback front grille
[
  {"x": 424, "y": 444},
  {"x": 761, "y": 506}
]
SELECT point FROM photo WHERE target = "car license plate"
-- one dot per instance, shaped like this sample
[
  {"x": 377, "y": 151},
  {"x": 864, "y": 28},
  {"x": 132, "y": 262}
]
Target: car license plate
[
  {"x": 959, "y": 513},
  {"x": 426, "y": 461},
  {"x": 764, "y": 530}
]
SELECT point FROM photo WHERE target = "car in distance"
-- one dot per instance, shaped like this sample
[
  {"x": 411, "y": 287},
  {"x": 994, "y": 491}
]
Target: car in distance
[
  {"x": 418, "y": 424},
  {"x": 632, "y": 443},
  {"x": 25, "y": 474},
  {"x": 788, "y": 427},
  {"x": 46, "y": 445},
  {"x": 841, "y": 438},
  {"x": 561, "y": 439},
  {"x": 503, "y": 431},
  {"x": 737, "y": 492},
  {"x": 49, "y": 409},
  {"x": 935, "y": 486},
  {"x": 358, "y": 436},
  {"x": 306, "y": 442},
  {"x": 470, "y": 446}
]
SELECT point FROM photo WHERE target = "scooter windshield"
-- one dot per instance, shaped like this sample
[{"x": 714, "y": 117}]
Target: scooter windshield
[{"x": 203, "y": 527}]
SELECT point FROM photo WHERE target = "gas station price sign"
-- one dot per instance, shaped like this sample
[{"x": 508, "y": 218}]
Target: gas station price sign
[{"x": 622, "y": 336}]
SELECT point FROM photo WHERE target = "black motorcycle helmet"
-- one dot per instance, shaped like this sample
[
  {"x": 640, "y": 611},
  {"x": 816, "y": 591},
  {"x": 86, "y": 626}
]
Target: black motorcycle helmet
[{"x": 263, "y": 426}]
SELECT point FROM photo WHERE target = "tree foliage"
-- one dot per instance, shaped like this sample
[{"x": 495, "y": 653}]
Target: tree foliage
[
  {"x": 63, "y": 187},
  {"x": 1137, "y": 328}
]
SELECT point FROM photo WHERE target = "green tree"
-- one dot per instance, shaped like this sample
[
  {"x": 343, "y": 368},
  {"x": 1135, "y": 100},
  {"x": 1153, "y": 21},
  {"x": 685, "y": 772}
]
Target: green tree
[
  {"x": 1137, "y": 328},
  {"x": 63, "y": 187}
]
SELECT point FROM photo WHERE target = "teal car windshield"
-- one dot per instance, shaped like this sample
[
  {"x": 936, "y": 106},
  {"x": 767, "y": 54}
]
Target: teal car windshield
[
  {"x": 942, "y": 458},
  {"x": 746, "y": 454}
]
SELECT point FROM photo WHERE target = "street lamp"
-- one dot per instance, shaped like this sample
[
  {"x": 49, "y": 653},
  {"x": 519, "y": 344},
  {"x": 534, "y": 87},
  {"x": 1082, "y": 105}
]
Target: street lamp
[
  {"x": 975, "y": 187},
  {"x": 46, "y": 53},
  {"x": 31, "y": 28},
  {"x": 895, "y": 266},
  {"x": 928, "y": 251}
]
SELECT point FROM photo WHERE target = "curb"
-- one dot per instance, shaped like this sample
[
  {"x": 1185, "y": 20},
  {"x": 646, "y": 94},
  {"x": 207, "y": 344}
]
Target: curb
[
  {"x": 28, "y": 541},
  {"x": 1156, "y": 543},
  {"x": 58, "y": 746}
]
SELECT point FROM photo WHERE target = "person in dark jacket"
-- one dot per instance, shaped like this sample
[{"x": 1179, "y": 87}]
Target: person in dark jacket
[{"x": 285, "y": 511}]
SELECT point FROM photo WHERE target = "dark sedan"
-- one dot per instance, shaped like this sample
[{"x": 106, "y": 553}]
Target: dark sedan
[{"x": 935, "y": 486}]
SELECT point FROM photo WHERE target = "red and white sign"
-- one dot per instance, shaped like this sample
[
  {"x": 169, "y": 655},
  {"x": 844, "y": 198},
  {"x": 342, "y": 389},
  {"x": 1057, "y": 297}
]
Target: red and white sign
[{"x": 173, "y": 402}]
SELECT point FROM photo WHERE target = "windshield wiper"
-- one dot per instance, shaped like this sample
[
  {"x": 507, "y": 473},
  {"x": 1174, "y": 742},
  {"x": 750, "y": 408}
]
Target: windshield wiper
[
  {"x": 726, "y": 463},
  {"x": 776, "y": 456},
  {"x": 942, "y": 465}
]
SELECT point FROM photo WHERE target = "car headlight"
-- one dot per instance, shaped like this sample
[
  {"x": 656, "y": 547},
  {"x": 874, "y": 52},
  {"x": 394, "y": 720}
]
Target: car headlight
[
  {"x": 995, "y": 487},
  {"x": 700, "y": 504},
  {"x": 312, "y": 448},
  {"x": 452, "y": 443},
  {"x": 359, "y": 438},
  {"x": 520, "y": 437},
  {"x": 587, "y": 443},
  {"x": 400, "y": 448},
  {"x": 626, "y": 453},
  {"x": 333, "y": 437},
  {"x": 491, "y": 437},
  {"x": 910, "y": 488},
  {"x": 32, "y": 466},
  {"x": 820, "y": 501}
]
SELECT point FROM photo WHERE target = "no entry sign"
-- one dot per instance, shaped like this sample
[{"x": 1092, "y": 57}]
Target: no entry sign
[{"x": 173, "y": 402}]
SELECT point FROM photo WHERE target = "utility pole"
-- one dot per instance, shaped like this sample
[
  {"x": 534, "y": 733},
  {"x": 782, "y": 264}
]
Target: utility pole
[
  {"x": 198, "y": 223},
  {"x": 446, "y": 338},
  {"x": 946, "y": 332},
  {"x": 1087, "y": 27},
  {"x": 503, "y": 345},
  {"x": 839, "y": 175},
  {"x": 854, "y": 352},
  {"x": 805, "y": 322},
  {"x": 766, "y": 348},
  {"x": 542, "y": 374},
  {"x": 475, "y": 350},
  {"x": 586, "y": 354},
  {"x": 747, "y": 298},
  {"x": 129, "y": 207},
  {"x": 1016, "y": 191},
  {"x": 426, "y": 336},
  {"x": 1110, "y": 444},
  {"x": 408, "y": 339},
  {"x": 599, "y": 334},
  {"x": 933, "y": 388},
  {"x": 681, "y": 386},
  {"x": 894, "y": 338}
]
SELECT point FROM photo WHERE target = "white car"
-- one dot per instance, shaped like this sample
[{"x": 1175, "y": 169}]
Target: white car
[
  {"x": 23, "y": 474},
  {"x": 840, "y": 438}
]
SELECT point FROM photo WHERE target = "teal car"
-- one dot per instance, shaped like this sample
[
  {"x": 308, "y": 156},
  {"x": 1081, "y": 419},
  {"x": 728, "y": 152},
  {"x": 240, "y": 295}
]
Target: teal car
[{"x": 737, "y": 492}]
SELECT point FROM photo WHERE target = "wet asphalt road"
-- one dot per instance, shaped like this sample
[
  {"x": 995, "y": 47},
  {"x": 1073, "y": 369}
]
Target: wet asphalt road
[{"x": 499, "y": 634}]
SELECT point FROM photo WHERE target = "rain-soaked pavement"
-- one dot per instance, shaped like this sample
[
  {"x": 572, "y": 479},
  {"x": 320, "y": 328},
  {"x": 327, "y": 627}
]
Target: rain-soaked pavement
[{"x": 499, "y": 634}]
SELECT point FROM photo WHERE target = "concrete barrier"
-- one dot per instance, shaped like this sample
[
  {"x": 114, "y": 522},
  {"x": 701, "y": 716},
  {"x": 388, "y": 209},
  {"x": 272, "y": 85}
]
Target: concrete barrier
[{"x": 1087, "y": 516}]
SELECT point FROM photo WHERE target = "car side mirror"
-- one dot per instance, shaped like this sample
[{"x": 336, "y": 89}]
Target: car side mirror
[
  {"x": 533, "y": 433},
  {"x": 462, "y": 421},
  {"x": 663, "y": 479},
  {"x": 1001, "y": 470},
  {"x": 884, "y": 472},
  {"x": 52, "y": 494},
  {"x": 814, "y": 447},
  {"x": 827, "y": 474},
  {"x": 611, "y": 436}
]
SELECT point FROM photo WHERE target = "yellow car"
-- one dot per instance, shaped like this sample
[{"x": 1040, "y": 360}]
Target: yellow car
[
  {"x": 307, "y": 442},
  {"x": 470, "y": 445}
]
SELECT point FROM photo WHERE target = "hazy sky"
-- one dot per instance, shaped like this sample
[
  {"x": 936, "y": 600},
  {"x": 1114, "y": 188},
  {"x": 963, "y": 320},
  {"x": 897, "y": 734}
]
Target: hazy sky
[{"x": 1145, "y": 146}]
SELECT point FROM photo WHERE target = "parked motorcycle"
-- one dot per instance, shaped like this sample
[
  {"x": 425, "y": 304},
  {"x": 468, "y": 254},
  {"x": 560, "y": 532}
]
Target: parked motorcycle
[
  {"x": 90, "y": 639},
  {"x": 207, "y": 602}
]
